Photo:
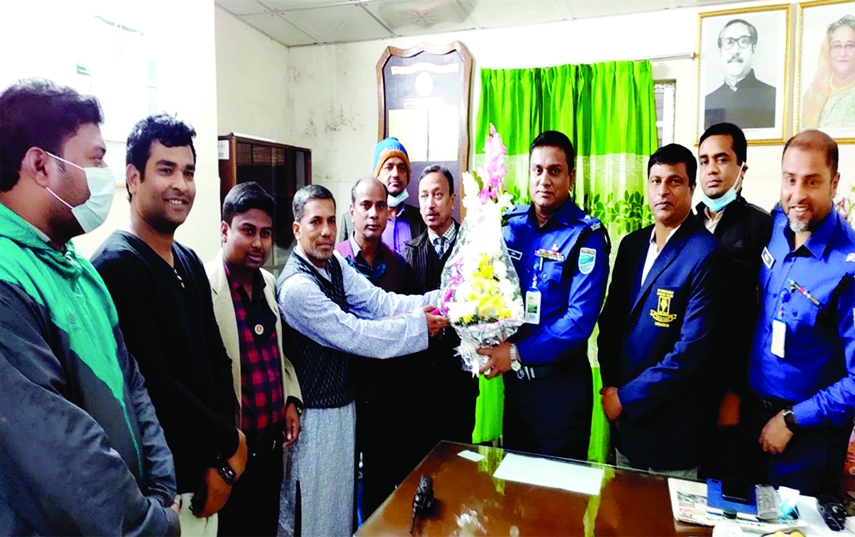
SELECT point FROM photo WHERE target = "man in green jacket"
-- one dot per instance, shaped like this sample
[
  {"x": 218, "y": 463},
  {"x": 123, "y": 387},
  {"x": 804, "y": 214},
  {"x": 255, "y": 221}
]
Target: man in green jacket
[{"x": 82, "y": 451}]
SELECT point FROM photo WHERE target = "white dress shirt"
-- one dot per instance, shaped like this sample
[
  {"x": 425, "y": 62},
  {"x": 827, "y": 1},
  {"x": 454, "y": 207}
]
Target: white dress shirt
[{"x": 653, "y": 251}]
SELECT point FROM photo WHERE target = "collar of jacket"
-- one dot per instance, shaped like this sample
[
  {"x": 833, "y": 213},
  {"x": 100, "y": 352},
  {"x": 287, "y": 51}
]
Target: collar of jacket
[
  {"x": 18, "y": 230},
  {"x": 423, "y": 238}
]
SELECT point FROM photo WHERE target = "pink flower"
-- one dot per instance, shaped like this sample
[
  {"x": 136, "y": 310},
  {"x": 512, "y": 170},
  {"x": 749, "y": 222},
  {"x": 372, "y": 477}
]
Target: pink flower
[
  {"x": 843, "y": 207},
  {"x": 494, "y": 169},
  {"x": 484, "y": 195}
]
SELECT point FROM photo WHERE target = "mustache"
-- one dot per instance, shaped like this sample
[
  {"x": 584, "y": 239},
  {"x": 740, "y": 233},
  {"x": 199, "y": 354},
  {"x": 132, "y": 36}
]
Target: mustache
[{"x": 737, "y": 57}]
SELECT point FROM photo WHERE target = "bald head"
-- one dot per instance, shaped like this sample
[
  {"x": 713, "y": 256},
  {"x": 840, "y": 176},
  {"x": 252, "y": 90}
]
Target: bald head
[
  {"x": 814, "y": 140},
  {"x": 368, "y": 209},
  {"x": 369, "y": 183}
]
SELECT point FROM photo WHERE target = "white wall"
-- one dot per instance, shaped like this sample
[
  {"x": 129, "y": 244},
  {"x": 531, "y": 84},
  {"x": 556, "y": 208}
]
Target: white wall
[
  {"x": 332, "y": 89},
  {"x": 41, "y": 37},
  {"x": 252, "y": 81}
]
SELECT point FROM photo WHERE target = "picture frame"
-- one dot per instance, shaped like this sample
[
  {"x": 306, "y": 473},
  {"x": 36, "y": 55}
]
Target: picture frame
[
  {"x": 423, "y": 96},
  {"x": 745, "y": 81},
  {"x": 825, "y": 75}
]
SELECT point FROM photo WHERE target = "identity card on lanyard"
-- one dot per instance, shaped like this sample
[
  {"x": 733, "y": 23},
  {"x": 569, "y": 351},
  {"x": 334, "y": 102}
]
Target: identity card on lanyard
[
  {"x": 779, "y": 327},
  {"x": 532, "y": 300}
]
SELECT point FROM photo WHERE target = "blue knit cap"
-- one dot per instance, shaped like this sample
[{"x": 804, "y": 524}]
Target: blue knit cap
[{"x": 386, "y": 149}]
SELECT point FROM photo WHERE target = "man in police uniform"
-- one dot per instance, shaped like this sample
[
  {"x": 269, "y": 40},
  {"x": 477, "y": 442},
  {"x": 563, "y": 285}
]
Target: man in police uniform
[
  {"x": 744, "y": 230},
  {"x": 657, "y": 326},
  {"x": 802, "y": 368},
  {"x": 561, "y": 255}
]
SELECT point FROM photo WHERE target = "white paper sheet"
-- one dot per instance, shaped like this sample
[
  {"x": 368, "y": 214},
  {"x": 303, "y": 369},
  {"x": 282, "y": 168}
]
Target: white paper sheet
[
  {"x": 549, "y": 473},
  {"x": 471, "y": 455}
]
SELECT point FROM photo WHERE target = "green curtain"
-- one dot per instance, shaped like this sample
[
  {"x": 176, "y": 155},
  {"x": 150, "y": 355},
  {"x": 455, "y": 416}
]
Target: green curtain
[{"x": 608, "y": 111}]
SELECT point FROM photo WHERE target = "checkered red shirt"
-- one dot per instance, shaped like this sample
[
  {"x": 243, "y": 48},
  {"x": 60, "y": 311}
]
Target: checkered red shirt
[{"x": 262, "y": 402}]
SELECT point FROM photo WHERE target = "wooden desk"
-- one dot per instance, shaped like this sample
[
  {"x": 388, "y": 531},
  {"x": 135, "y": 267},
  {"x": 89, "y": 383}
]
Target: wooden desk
[{"x": 630, "y": 503}]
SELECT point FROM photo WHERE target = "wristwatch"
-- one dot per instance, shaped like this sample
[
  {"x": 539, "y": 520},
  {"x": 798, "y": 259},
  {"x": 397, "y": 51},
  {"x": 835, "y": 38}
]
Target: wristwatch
[
  {"x": 790, "y": 420},
  {"x": 225, "y": 470},
  {"x": 515, "y": 359}
]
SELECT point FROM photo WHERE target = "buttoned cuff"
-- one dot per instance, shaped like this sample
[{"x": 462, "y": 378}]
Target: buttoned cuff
[{"x": 807, "y": 414}]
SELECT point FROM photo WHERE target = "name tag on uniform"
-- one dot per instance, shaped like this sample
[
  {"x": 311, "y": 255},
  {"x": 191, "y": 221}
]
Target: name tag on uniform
[
  {"x": 515, "y": 254},
  {"x": 532, "y": 306},
  {"x": 779, "y": 337},
  {"x": 767, "y": 258}
]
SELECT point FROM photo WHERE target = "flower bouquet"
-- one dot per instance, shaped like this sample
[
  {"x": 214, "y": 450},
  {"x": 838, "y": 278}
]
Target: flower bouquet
[{"x": 480, "y": 291}]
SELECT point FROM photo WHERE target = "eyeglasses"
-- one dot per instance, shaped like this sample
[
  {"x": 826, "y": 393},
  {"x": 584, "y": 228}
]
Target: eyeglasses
[
  {"x": 727, "y": 42},
  {"x": 840, "y": 47}
]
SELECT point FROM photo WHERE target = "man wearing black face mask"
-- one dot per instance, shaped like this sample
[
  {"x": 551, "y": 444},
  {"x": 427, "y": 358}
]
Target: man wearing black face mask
[{"x": 244, "y": 297}]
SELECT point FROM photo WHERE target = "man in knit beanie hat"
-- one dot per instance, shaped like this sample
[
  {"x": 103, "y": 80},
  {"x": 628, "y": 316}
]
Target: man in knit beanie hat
[{"x": 392, "y": 168}]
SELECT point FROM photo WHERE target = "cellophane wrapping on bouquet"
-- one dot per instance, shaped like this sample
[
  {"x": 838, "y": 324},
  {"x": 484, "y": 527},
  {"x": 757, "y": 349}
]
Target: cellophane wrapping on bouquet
[{"x": 480, "y": 290}]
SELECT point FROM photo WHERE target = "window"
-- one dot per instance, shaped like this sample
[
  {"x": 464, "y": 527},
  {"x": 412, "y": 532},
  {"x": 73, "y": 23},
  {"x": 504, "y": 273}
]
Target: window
[{"x": 663, "y": 92}]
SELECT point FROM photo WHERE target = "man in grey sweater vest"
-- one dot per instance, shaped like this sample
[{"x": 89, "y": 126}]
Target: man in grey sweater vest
[{"x": 330, "y": 313}]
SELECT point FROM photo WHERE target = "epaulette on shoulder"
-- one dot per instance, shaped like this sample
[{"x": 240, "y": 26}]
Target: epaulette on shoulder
[
  {"x": 592, "y": 223},
  {"x": 517, "y": 210}
]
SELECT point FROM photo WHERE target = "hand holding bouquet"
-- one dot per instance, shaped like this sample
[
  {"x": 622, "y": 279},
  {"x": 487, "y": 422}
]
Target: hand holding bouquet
[{"x": 480, "y": 291}]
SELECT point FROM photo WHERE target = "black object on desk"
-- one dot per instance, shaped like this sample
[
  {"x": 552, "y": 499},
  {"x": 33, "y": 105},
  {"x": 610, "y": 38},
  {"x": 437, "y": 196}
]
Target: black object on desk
[
  {"x": 423, "y": 501},
  {"x": 832, "y": 512},
  {"x": 717, "y": 499}
]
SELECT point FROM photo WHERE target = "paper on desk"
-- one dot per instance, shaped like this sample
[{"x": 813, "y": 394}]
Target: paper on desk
[
  {"x": 548, "y": 473},
  {"x": 471, "y": 455}
]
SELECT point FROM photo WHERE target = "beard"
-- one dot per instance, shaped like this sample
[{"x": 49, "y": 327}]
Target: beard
[{"x": 799, "y": 226}]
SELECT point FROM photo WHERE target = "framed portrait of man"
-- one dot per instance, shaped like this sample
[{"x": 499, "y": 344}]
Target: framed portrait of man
[
  {"x": 744, "y": 58},
  {"x": 825, "y": 67}
]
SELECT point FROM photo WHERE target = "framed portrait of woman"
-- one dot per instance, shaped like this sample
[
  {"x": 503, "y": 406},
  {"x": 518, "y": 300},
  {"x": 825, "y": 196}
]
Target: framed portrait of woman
[
  {"x": 825, "y": 80},
  {"x": 744, "y": 58}
]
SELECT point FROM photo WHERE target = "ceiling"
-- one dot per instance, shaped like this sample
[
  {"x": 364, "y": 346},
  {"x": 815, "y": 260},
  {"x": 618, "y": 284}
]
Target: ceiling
[{"x": 309, "y": 22}]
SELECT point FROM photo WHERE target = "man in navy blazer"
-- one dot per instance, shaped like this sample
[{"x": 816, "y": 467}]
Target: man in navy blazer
[{"x": 657, "y": 325}]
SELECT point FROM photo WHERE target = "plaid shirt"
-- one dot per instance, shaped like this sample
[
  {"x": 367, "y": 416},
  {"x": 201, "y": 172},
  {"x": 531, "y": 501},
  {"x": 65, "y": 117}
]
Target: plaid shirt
[{"x": 262, "y": 402}]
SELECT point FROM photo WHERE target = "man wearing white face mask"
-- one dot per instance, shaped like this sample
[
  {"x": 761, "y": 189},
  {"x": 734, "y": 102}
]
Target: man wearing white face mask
[
  {"x": 82, "y": 450},
  {"x": 392, "y": 168},
  {"x": 744, "y": 230}
]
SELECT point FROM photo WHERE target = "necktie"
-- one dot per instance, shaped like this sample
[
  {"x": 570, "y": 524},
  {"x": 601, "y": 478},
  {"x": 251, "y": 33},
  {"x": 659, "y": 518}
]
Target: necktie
[{"x": 439, "y": 246}]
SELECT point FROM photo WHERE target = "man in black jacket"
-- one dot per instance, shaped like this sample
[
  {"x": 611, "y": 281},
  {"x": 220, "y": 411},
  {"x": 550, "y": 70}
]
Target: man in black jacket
[
  {"x": 744, "y": 230},
  {"x": 452, "y": 416},
  {"x": 166, "y": 314}
]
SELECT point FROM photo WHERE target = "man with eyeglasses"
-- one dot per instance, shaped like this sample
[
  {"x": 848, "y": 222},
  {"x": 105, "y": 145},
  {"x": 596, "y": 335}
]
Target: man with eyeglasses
[{"x": 741, "y": 99}]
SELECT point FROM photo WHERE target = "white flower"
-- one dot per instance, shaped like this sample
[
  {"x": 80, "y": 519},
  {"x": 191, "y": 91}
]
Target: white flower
[
  {"x": 458, "y": 310},
  {"x": 508, "y": 289},
  {"x": 463, "y": 291},
  {"x": 500, "y": 269}
]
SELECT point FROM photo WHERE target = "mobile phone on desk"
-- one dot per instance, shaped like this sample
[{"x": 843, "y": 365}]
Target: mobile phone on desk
[
  {"x": 735, "y": 499},
  {"x": 736, "y": 490}
]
